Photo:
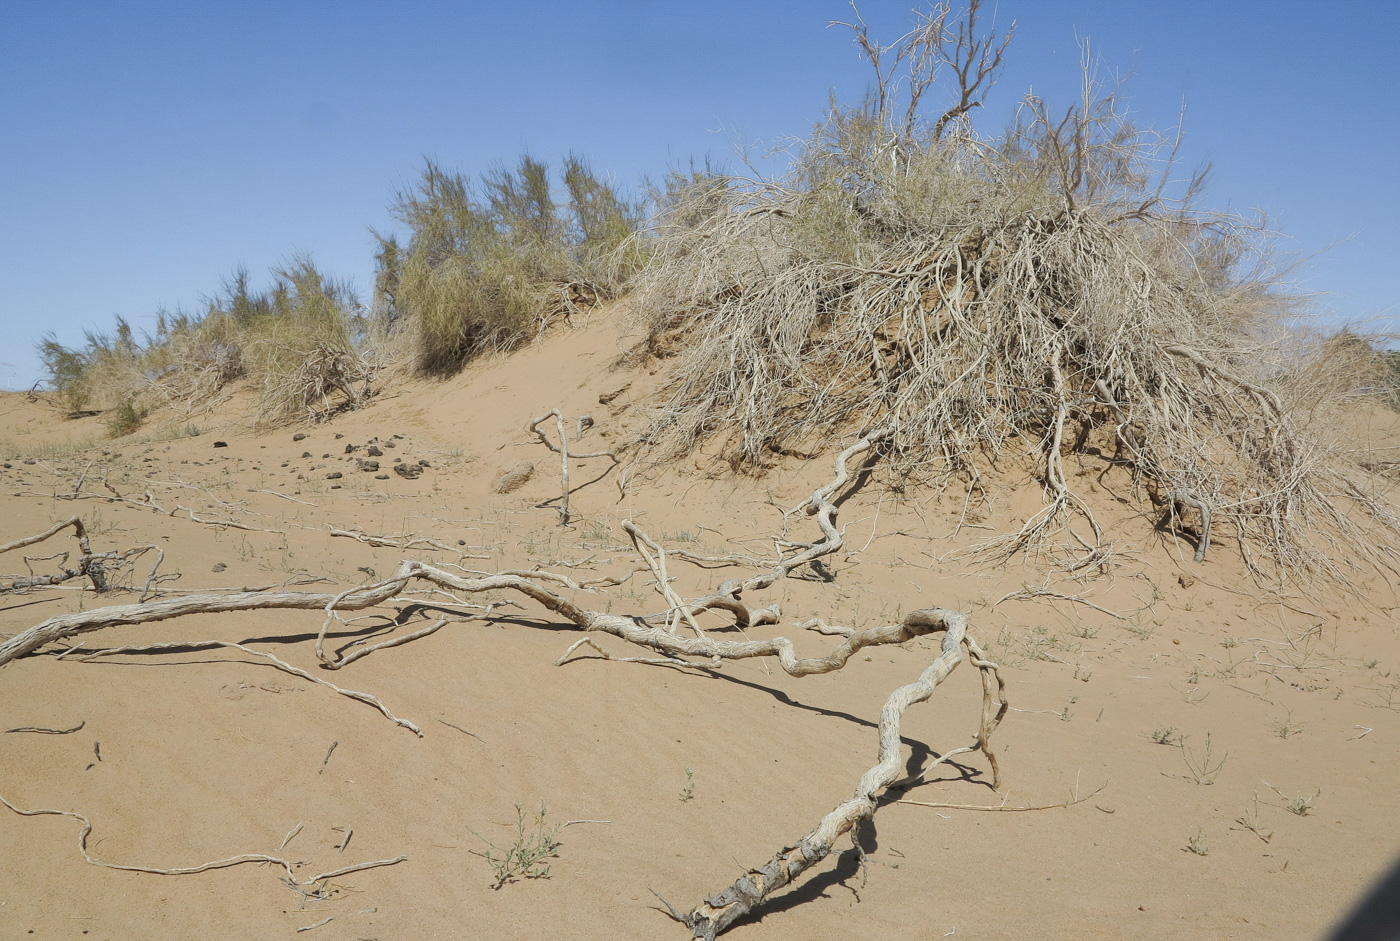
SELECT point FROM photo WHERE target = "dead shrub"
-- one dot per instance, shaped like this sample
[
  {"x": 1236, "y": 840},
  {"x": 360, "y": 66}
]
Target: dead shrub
[{"x": 984, "y": 296}]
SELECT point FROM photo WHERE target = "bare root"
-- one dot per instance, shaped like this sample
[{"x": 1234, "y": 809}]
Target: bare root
[{"x": 670, "y": 647}]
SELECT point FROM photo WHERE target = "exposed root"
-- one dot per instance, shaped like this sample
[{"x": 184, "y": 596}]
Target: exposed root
[
  {"x": 287, "y": 865},
  {"x": 1004, "y": 807},
  {"x": 280, "y": 664},
  {"x": 406, "y": 541},
  {"x": 715, "y": 914},
  {"x": 674, "y": 650},
  {"x": 1179, "y": 500}
]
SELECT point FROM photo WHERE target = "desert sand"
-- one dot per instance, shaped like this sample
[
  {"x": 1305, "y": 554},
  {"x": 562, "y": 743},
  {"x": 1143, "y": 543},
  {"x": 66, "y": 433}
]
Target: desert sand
[{"x": 1215, "y": 758}]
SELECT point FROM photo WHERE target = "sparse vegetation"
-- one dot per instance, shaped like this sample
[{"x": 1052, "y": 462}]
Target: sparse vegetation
[
  {"x": 1166, "y": 735},
  {"x": 526, "y": 857},
  {"x": 688, "y": 792},
  {"x": 1197, "y": 843},
  {"x": 1285, "y": 727},
  {"x": 1249, "y": 820},
  {"x": 1205, "y": 767},
  {"x": 1301, "y": 805},
  {"x": 125, "y": 419}
]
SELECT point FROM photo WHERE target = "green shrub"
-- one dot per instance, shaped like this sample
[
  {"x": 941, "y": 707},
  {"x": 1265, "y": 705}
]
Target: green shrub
[
  {"x": 297, "y": 342},
  {"x": 490, "y": 264},
  {"x": 124, "y": 419}
]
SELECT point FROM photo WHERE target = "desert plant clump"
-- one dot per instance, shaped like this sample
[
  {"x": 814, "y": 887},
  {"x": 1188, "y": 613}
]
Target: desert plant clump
[
  {"x": 124, "y": 419},
  {"x": 304, "y": 356},
  {"x": 299, "y": 344},
  {"x": 526, "y": 857},
  {"x": 490, "y": 263},
  {"x": 1040, "y": 293}
]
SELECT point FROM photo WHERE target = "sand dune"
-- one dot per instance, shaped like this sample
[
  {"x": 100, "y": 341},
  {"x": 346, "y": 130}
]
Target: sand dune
[{"x": 1228, "y": 753}]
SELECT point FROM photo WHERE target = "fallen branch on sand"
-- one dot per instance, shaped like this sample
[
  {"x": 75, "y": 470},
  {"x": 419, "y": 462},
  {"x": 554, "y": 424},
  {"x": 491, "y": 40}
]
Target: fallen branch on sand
[
  {"x": 563, "y": 451},
  {"x": 287, "y": 865},
  {"x": 89, "y": 563},
  {"x": 702, "y": 650}
]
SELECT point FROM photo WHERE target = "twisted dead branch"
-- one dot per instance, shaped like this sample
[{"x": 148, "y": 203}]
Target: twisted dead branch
[
  {"x": 715, "y": 914},
  {"x": 563, "y": 451},
  {"x": 90, "y": 564},
  {"x": 703, "y": 650}
]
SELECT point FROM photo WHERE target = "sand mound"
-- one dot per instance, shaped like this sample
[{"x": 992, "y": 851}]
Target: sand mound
[{"x": 1226, "y": 752}]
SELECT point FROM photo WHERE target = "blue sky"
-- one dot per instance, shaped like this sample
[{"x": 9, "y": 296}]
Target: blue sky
[{"x": 147, "y": 149}]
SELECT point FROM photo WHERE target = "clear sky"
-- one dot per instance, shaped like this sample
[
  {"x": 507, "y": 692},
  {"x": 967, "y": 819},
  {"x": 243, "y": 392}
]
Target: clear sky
[{"x": 147, "y": 149}]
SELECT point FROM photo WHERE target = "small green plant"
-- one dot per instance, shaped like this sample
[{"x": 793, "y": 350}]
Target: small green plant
[
  {"x": 1166, "y": 735},
  {"x": 1230, "y": 643},
  {"x": 526, "y": 857},
  {"x": 1205, "y": 767},
  {"x": 1142, "y": 630},
  {"x": 124, "y": 419},
  {"x": 688, "y": 792},
  {"x": 1300, "y": 805},
  {"x": 1249, "y": 820},
  {"x": 1197, "y": 843},
  {"x": 1285, "y": 727}
]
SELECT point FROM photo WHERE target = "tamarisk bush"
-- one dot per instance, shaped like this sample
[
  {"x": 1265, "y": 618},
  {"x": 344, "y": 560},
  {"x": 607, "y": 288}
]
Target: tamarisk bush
[{"x": 1039, "y": 293}]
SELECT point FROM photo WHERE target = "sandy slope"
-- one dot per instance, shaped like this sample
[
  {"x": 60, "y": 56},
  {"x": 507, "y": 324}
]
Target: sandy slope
[{"x": 208, "y": 753}]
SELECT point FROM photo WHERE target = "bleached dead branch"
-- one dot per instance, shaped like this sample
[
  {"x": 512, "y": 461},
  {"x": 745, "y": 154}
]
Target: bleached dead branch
[
  {"x": 562, "y": 449},
  {"x": 702, "y": 650}
]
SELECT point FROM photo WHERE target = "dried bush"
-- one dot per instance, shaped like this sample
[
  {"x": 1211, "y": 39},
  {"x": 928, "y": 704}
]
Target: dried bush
[{"x": 1040, "y": 292}]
